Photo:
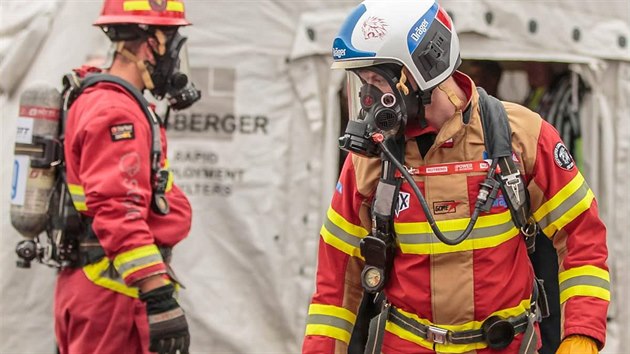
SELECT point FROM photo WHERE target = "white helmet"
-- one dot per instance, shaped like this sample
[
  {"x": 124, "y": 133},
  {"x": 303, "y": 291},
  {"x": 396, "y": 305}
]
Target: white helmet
[{"x": 418, "y": 34}]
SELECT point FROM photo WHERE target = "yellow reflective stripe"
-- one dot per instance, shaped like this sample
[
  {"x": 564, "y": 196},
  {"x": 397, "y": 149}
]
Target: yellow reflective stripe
[
  {"x": 76, "y": 189},
  {"x": 584, "y": 290},
  {"x": 137, "y": 259},
  {"x": 583, "y": 270},
  {"x": 348, "y": 227},
  {"x": 565, "y": 206},
  {"x": 169, "y": 182},
  {"x": 584, "y": 281},
  {"x": 490, "y": 231},
  {"x": 560, "y": 197},
  {"x": 98, "y": 273},
  {"x": 330, "y": 321},
  {"x": 583, "y": 205},
  {"x": 452, "y": 348},
  {"x": 341, "y": 234},
  {"x": 331, "y": 310},
  {"x": 453, "y": 225},
  {"x": 77, "y": 193},
  {"x": 328, "y": 331},
  {"x": 144, "y": 5}
]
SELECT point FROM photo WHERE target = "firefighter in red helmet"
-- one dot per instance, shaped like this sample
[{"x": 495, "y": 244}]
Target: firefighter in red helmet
[{"x": 118, "y": 295}]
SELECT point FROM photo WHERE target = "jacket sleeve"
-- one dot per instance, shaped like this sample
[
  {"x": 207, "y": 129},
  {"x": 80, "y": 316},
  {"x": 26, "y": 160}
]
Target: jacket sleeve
[
  {"x": 566, "y": 211},
  {"x": 333, "y": 309},
  {"x": 114, "y": 171}
]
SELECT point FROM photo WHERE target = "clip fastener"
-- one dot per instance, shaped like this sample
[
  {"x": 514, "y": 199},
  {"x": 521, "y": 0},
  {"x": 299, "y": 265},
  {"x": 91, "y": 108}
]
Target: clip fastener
[
  {"x": 513, "y": 181},
  {"x": 437, "y": 335},
  {"x": 412, "y": 171}
]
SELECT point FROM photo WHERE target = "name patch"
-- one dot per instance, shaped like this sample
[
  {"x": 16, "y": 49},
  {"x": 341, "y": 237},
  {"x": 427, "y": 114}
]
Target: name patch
[
  {"x": 445, "y": 207},
  {"x": 122, "y": 132}
]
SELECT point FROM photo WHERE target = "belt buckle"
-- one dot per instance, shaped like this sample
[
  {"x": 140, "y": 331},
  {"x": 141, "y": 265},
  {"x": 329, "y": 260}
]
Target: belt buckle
[{"x": 437, "y": 335}]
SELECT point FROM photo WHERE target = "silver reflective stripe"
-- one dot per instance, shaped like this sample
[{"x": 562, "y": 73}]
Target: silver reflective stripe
[
  {"x": 564, "y": 207},
  {"x": 330, "y": 321},
  {"x": 341, "y": 234},
  {"x": 585, "y": 280},
  {"x": 111, "y": 273},
  {"x": 139, "y": 262},
  {"x": 78, "y": 198},
  {"x": 477, "y": 233}
]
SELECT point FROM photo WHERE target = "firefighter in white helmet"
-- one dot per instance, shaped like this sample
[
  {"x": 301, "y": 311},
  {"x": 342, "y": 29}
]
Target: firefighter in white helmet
[{"x": 428, "y": 222}]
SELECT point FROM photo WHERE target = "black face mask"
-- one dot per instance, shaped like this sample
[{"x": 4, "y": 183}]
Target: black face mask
[
  {"x": 169, "y": 81},
  {"x": 384, "y": 113}
]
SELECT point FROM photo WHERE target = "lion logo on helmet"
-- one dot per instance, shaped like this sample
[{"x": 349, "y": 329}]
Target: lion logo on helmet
[
  {"x": 374, "y": 27},
  {"x": 158, "y": 5}
]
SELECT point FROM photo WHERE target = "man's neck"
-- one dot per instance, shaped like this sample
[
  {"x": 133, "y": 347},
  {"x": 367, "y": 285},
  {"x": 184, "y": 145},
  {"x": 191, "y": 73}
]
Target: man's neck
[{"x": 127, "y": 71}]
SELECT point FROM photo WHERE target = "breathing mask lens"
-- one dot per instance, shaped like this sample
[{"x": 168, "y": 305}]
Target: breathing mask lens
[
  {"x": 171, "y": 75},
  {"x": 375, "y": 107}
]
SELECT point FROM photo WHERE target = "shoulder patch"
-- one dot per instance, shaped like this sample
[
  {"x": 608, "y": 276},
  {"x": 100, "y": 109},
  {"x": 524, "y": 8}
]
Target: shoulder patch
[
  {"x": 562, "y": 157},
  {"x": 122, "y": 132}
]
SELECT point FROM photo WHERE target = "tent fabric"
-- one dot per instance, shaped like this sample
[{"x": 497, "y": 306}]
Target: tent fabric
[
  {"x": 258, "y": 157},
  {"x": 22, "y": 30}
]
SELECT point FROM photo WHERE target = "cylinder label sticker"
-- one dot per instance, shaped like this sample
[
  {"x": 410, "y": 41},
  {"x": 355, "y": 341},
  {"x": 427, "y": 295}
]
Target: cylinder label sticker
[
  {"x": 24, "y": 130},
  {"x": 18, "y": 182}
]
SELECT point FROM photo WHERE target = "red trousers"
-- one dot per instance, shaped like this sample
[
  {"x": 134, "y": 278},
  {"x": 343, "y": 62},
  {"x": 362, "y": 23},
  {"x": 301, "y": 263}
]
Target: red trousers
[{"x": 92, "y": 319}]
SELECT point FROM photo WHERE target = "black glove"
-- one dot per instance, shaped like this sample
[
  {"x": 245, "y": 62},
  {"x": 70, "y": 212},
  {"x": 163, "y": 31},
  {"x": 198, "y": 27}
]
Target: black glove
[{"x": 168, "y": 329}]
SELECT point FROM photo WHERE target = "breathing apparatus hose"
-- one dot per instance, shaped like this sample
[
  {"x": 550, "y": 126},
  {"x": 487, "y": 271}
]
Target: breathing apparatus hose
[{"x": 487, "y": 191}]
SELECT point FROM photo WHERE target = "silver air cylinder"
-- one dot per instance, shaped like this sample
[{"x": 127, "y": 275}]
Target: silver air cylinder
[{"x": 36, "y": 150}]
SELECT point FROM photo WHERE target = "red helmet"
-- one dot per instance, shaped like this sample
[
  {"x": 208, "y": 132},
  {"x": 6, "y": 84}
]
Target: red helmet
[{"x": 143, "y": 12}]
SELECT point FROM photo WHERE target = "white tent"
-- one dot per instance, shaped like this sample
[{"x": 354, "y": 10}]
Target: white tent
[{"x": 258, "y": 155}]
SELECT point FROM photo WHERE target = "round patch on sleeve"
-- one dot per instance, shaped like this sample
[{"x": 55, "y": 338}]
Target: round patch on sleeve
[{"x": 563, "y": 158}]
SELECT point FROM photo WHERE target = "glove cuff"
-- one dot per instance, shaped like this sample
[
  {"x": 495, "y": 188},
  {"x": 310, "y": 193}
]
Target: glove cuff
[{"x": 160, "y": 299}]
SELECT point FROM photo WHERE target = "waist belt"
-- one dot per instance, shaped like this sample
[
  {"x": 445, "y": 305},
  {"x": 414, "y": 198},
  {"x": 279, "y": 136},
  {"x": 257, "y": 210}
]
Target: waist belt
[
  {"x": 494, "y": 327},
  {"x": 495, "y": 331},
  {"x": 91, "y": 252}
]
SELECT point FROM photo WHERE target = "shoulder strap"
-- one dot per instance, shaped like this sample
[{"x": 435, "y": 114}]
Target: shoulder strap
[
  {"x": 496, "y": 129},
  {"x": 498, "y": 140},
  {"x": 73, "y": 87}
]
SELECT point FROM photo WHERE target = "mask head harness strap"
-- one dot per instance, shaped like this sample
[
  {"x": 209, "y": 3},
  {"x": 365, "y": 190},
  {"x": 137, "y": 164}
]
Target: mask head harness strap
[
  {"x": 121, "y": 34},
  {"x": 412, "y": 99},
  {"x": 144, "y": 72}
]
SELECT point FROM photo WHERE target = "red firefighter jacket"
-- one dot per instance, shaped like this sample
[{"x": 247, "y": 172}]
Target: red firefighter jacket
[
  {"x": 107, "y": 152},
  {"x": 458, "y": 287}
]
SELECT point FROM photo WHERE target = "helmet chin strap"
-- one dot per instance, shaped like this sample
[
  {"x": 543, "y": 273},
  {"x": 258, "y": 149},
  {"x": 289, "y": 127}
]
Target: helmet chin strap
[
  {"x": 401, "y": 85},
  {"x": 144, "y": 72}
]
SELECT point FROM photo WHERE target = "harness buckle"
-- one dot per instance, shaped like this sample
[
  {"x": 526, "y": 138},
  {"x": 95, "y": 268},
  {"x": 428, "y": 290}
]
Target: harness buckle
[
  {"x": 530, "y": 229},
  {"x": 513, "y": 181},
  {"x": 437, "y": 335}
]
